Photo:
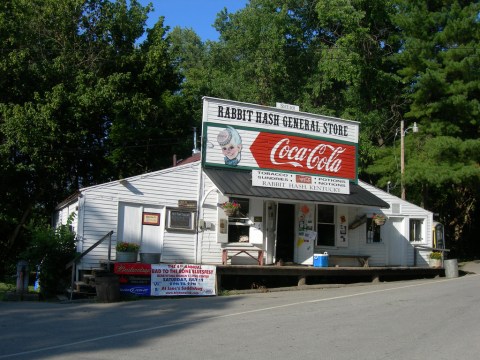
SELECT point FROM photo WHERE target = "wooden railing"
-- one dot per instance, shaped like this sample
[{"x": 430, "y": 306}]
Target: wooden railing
[
  {"x": 423, "y": 247},
  {"x": 75, "y": 261}
]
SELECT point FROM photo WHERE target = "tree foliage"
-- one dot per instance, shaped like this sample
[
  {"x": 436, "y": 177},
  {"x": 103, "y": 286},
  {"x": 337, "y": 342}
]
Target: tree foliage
[
  {"x": 81, "y": 103},
  {"x": 51, "y": 250}
]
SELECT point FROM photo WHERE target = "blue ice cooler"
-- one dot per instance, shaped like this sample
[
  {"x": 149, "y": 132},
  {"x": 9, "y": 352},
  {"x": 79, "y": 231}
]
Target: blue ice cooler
[{"x": 320, "y": 260}]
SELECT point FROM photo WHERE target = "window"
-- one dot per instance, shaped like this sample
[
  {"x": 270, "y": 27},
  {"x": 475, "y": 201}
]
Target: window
[
  {"x": 239, "y": 224},
  {"x": 373, "y": 232},
  {"x": 325, "y": 225},
  {"x": 416, "y": 229},
  {"x": 244, "y": 207},
  {"x": 180, "y": 219}
]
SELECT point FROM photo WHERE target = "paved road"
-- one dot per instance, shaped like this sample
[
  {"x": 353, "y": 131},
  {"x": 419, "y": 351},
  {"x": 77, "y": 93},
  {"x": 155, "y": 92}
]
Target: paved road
[{"x": 421, "y": 319}]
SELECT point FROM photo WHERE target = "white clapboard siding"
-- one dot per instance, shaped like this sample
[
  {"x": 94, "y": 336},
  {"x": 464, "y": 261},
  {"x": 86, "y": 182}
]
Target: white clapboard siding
[
  {"x": 161, "y": 189},
  {"x": 400, "y": 209}
]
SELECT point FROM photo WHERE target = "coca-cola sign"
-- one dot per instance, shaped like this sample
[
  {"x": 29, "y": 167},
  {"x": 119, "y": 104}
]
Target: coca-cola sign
[{"x": 300, "y": 154}]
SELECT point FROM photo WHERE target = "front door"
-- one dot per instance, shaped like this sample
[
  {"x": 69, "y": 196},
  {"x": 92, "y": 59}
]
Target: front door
[
  {"x": 285, "y": 233},
  {"x": 131, "y": 227},
  {"x": 270, "y": 230},
  {"x": 392, "y": 233}
]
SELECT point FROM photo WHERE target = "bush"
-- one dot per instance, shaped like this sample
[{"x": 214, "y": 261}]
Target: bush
[{"x": 52, "y": 249}]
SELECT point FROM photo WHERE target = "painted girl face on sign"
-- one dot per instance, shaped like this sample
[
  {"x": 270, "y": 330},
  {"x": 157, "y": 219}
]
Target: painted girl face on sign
[{"x": 231, "y": 144}]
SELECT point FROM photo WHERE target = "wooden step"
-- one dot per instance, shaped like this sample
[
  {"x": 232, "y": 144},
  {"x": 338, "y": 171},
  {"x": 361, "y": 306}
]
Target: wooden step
[
  {"x": 89, "y": 279},
  {"x": 81, "y": 286}
]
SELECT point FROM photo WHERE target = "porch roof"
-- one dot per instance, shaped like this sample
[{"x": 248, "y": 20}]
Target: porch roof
[{"x": 239, "y": 183}]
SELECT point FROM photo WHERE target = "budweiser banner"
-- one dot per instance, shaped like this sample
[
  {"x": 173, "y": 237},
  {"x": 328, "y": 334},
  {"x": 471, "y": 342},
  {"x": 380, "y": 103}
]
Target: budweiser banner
[
  {"x": 134, "y": 278},
  {"x": 248, "y": 137}
]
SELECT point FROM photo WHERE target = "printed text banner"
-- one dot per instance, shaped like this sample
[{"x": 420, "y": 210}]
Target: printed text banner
[{"x": 183, "y": 279}]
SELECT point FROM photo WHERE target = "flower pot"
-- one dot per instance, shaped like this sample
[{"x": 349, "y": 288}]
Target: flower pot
[
  {"x": 435, "y": 263},
  {"x": 229, "y": 212},
  {"x": 126, "y": 256},
  {"x": 379, "y": 222}
]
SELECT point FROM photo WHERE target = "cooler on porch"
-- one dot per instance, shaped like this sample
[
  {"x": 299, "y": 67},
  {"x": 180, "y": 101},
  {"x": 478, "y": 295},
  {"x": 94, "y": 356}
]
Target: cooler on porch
[{"x": 320, "y": 260}]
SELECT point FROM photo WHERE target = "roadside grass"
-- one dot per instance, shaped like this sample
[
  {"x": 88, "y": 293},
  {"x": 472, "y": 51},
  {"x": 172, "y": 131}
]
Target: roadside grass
[
  {"x": 10, "y": 286},
  {"x": 6, "y": 287}
]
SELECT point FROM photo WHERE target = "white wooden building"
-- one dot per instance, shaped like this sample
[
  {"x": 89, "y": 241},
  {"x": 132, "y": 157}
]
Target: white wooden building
[{"x": 177, "y": 211}]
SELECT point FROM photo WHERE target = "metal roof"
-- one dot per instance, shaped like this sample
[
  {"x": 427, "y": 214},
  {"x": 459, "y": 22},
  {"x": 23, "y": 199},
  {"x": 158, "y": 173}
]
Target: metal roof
[{"x": 239, "y": 183}]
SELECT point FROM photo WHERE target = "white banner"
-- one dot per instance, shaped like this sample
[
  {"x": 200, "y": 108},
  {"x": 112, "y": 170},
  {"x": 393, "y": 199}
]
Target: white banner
[{"x": 183, "y": 279}]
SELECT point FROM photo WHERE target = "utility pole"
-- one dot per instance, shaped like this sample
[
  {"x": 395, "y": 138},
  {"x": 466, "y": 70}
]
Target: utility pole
[
  {"x": 402, "y": 158},
  {"x": 403, "y": 131}
]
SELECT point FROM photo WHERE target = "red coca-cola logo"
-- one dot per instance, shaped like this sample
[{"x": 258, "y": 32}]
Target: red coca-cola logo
[{"x": 294, "y": 153}]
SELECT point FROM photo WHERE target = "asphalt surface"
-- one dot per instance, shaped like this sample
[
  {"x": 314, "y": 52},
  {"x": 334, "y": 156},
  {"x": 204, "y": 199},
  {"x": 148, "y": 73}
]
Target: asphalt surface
[
  {"x": 418, "y": 319},
  {"x": 472, "y": 267},
  {"x": 391, "y": 320}
]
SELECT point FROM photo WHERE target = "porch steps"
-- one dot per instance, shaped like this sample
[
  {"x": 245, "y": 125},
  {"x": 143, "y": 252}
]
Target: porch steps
[{"x": 85, "y": 288}]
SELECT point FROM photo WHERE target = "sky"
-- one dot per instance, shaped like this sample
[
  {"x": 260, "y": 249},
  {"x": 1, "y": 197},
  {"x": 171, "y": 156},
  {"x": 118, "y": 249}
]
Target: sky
[{"x": 196, "y": 14}]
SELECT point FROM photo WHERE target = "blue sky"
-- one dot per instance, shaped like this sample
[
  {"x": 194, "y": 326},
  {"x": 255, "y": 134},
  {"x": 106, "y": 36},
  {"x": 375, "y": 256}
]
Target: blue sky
[{"x": 196, "y": 14}]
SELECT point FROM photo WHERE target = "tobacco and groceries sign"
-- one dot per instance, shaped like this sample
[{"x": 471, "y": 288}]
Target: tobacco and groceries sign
[
  {"x": 253, "y": 137},
  {"x": 290, "y": 181}
]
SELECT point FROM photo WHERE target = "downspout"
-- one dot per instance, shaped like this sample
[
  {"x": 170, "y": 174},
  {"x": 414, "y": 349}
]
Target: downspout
[{"x": 200, "y": 186}]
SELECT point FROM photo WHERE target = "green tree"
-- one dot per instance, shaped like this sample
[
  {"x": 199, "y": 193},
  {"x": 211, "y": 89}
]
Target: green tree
[
  {"x": 439, "y": 67},
  {"x": 51, "y": 250},
  {"x": 81, "y": 103}
]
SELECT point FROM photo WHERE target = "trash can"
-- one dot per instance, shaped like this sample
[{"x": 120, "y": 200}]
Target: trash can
[
  {"x": 107, "y": 286},
  {"x": 320, "y": 260},
  {"x": 451, "y": 268}
]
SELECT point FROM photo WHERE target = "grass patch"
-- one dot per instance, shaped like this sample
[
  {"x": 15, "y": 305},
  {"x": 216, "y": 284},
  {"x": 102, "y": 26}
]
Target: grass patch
[{"x": 9, "y": 287}]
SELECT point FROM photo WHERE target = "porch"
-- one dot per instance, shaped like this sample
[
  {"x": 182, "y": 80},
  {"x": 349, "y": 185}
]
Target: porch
[{"x": 230, "y": 277}]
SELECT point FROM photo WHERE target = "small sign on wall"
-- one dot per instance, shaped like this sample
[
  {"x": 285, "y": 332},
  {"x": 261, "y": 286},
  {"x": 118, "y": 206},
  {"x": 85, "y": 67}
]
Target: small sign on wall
[
  {"x": 342, "y": 228},
  {"x": 187, "y": 204},
  {"x": 149, "y": 218}
]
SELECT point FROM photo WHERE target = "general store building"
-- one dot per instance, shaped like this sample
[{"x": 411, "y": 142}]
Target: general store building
[{"x": 294, "y": 176}]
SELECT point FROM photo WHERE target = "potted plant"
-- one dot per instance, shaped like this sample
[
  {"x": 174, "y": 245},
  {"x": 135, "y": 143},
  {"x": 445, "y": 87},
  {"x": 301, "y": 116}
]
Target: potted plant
[
  {"x": 127, "y": 251},
  {"x": 435, "y": 259},
  {"x": 379, "y": 219},
  {"x": 230, "y": 207}
]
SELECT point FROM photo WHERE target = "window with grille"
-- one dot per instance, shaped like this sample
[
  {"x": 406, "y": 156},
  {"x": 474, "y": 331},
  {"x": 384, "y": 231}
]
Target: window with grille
[
  {"x": 325, "y": 225},
  {"x": 373, "y": 232}
]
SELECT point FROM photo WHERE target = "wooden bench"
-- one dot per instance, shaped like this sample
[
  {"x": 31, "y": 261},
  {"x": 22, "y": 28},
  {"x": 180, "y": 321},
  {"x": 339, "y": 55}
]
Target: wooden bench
[
  {"x": 362, "y": 259},
  {"x": 242, "y": 250}
]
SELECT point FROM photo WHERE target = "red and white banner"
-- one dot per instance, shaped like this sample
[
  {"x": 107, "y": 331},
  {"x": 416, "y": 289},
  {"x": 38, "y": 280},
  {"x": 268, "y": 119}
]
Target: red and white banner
[
  {"x": 183, "y": 279},
  {"x": 248, "y": 149}
]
